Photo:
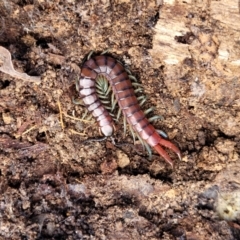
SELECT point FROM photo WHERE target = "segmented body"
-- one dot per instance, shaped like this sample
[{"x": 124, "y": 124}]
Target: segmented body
[{"x": 122, "y": 87}]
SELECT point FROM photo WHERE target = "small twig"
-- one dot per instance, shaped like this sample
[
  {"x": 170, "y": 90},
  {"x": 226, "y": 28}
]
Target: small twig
[
  {"x": 95, "y": 139},
  {"x": 60, "y": 114},
  {"x": 78, "y": 133},
  {"x": 22, "y": 128},
  {"x": 27, "y": 131},
  {"x": 78, "y": 119},
  {"x": 30, "y": 129}
]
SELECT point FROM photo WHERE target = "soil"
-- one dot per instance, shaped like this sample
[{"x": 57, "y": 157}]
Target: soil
[{"x": 56, "y": 185}]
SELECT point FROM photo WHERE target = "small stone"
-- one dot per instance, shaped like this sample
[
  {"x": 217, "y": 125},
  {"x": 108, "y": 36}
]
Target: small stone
[
  {"x": 7, "y": 118},
  {"x": 123, "y": 159},
  {"x": 108, "y": 167},
  {"x": 225, "y": 146}
]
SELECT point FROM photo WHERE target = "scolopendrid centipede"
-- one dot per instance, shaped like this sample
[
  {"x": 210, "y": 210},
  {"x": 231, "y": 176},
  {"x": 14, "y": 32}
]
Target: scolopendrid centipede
[{"x": 123, "y": 90}]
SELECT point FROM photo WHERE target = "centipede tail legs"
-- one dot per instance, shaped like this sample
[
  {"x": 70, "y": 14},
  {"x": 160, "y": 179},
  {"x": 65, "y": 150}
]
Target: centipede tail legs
[{"x": 164, "y": 154}]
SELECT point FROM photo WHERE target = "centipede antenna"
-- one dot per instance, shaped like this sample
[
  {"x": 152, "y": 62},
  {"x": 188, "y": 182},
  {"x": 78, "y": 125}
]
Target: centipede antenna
[
  {"x": 154, "y": 118},
  {"x": 151, "y": 109},
  {"x": 162, "y": 133}
]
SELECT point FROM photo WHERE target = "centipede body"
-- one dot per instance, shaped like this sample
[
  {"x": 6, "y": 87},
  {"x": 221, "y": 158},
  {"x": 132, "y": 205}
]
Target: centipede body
[{"x": 123, "y": 90}]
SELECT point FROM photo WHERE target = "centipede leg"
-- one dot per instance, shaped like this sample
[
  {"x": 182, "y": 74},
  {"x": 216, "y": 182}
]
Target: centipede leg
[
  {"x": 109, "y": 90},
  {"x": 162, "y": 133},
  {"x": 124, "y": 126},
  {"x": 85, "y": 114},
  {"x": 133, "y": 134},
  {"x": 142, "y": 142},
  {"x": 133, "y": 78},
  {"x": 151, "y": 109},
  {"x": 77, "y": 85},
  {"x": 149, "y": 150},
  {"x": 113, "y": 102},
  {"x": 171, "y": 146},
  {"x": 142, "y": 100},
  {"x": 156, "y": 117},
  {"x": 77, "y": 101},
  {"x": 119, "y": 113},
  {"x": 138, "y": 90},
  {"x": 106, "y": 51},
  {"x": 90, "y": 54},
  {"x": 164, "y": 154}
]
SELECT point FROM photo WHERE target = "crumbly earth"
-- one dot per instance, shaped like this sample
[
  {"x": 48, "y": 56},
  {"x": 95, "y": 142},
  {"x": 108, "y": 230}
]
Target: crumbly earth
[{"x": 56, "y": 186}]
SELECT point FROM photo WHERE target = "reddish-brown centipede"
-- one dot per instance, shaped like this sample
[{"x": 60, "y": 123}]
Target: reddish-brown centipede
[{"x": 123, "y": 90}]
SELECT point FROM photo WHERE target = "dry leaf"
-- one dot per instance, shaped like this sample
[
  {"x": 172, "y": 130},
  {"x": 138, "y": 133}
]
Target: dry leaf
[{"x": 6, "y": 66}]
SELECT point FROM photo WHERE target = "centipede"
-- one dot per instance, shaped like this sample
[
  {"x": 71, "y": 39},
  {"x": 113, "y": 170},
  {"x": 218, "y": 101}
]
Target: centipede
[{"x": 122, "y": 87}]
